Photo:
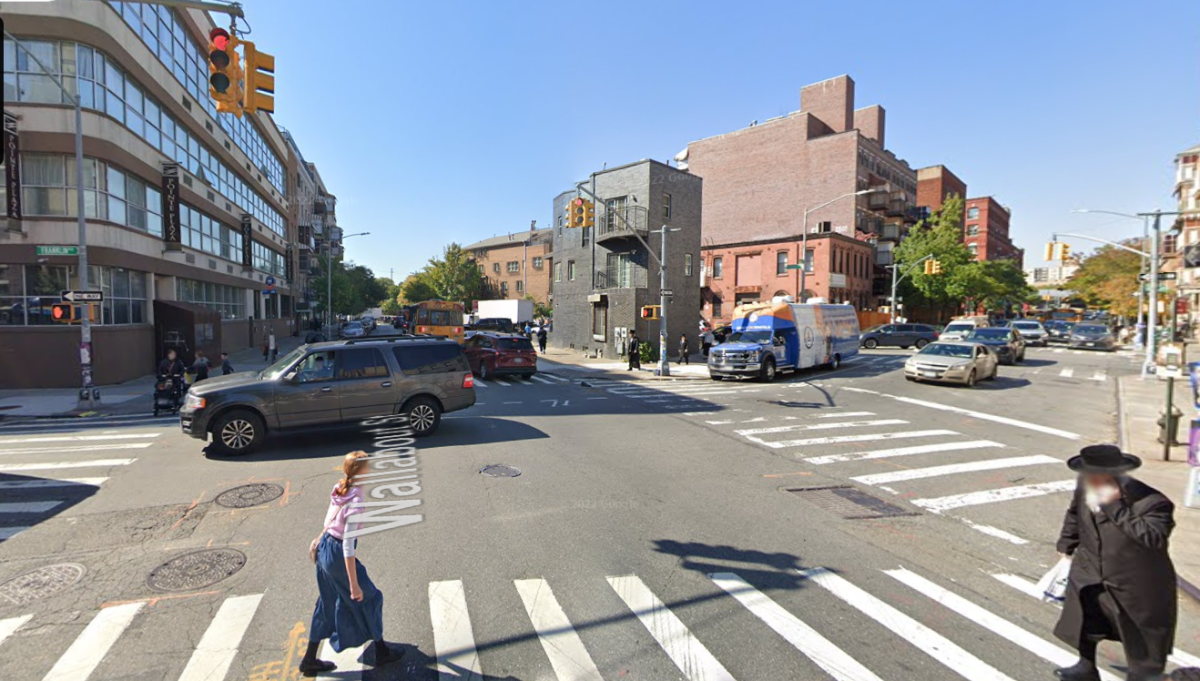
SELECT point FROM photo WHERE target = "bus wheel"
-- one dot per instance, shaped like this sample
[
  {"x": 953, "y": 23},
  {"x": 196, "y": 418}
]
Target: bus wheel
[{"x": 768, "y": 370}]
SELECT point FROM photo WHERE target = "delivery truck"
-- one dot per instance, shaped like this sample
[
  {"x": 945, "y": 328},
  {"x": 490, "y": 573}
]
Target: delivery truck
[
  {"x": 783, "y": 336},
  {"x": 517, "y": 311}
]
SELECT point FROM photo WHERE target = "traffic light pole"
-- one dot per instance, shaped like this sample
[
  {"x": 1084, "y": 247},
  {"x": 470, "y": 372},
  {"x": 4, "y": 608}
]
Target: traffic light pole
[
  {"x": 664, "y": 357},
  {"x": 896, "y": 283},
  {"x": 1152, "y": 314},
  {"x": 230, "y": 8}
]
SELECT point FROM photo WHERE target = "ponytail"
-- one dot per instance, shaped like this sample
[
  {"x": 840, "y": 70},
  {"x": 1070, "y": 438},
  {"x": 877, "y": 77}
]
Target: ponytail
[{"x": 352, "y": 464}]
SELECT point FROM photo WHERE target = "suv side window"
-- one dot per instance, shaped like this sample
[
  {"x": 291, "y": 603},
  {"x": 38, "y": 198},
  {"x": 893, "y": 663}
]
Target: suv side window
[
  {"x": 316, "y": 367},
  {"x": 906, "y": 328},
  {"x": 433, "y": 358},
  {"x": 361, "y": 363},
  {"x": 890, "y": 328}
]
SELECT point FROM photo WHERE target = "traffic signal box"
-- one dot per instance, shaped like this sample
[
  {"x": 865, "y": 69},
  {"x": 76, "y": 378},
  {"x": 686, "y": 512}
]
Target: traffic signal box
[
  {"x": 933, "y": 267},
  {"x": 581, "y": 213},
  {"x": 62, "y": 313},
  {"x": 651, "y": 311},
  {"x": 1057, "y": 250},
  {"x": 225, "y": 72},
  {"x": 260, "y": 80}
]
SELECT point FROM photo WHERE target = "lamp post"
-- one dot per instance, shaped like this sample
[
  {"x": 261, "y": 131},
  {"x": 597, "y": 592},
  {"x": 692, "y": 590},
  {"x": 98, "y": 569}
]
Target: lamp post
[
  {"x": 1141, "y": 293},
  {"x": 664, "y": 357},
  {"x": 329, "y": 279},
  {"x": 804, "y": 235}
]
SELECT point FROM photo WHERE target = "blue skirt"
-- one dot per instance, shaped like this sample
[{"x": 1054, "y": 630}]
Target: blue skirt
[{"x": 346, "y": 623}]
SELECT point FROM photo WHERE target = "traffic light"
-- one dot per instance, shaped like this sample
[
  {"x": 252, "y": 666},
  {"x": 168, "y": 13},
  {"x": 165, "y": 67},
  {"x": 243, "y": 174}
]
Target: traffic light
[
  {"x": 576, "y": 213},
  {"x": 650, "y": 311},
  {"x": 589, "y": 213},
  {"x": 225, "y": 72},
  {"x": 63, "y": 313},
  {"x": 260, "y": 80},
  {"x": 1050, "y": 250},
  {"x": 928, "y": 267},
  {"x": 937, "y": 266},
  {"x": 1057, "y": 250}
]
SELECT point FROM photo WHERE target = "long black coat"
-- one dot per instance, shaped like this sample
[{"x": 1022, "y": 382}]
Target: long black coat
[{"x": 1123, "y": 548}]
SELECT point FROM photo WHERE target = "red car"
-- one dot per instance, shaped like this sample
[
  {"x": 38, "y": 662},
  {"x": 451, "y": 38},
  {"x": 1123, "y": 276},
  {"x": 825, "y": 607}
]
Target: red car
[{"x": 495, "y": 354}]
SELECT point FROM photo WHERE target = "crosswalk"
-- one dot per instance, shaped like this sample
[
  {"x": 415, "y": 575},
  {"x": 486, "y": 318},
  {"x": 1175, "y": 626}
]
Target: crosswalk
[
  {"x": 861, "y": 625},
  {"x": 47, "y": 465},
  {"x": 512, "y": 381},
  {"x": 683, "y": 395}
]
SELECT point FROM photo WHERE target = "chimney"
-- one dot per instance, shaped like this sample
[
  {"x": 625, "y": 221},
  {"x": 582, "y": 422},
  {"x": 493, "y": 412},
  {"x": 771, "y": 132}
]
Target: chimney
[
  {"x": 831, "y": 101},
  {"x": 870, "y": 121}
]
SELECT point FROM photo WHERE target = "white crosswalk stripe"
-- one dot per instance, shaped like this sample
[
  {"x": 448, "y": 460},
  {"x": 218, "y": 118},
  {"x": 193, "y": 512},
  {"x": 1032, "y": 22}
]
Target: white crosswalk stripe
[
  {"x": 85, "y": 654},
  {"x": 9, "y": 626},
  {"x": 562, "y": 645},
  {"x": 480, "y": 383},
  {"x": 541, "y": 379},
  {"x": 1067, "y": 373},
  {"x": 219, "y": 645},
  {"x": 820, "y": 426},
  {"x": 838, "y": 439},
  {"x": 348, "y": 666},
  {"x": 942, "y": 504},
  {"x": 903, "y": 451},
  {"x": 80, "y": 448},
  {"x": 452, "y": 634},
  {"x": 57, "y": 465},
  {"x": 950, "y": 469},
  {"x": 1100, "y": 375},
  {"x": 80, "y": 438}
]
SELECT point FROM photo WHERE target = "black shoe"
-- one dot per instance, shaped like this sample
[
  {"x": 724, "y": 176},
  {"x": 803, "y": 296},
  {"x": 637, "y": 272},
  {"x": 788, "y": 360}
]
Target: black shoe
[
  {"x": 1080, "y": 671},
  {"x": 311, "y": 668},
  {"x": 387, "y": 655}
]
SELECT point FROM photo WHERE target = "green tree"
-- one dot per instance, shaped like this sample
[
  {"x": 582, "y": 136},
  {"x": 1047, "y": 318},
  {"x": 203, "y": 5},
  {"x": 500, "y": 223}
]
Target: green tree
[
  {"x": 355, "y": 287},
  {"x": 991, "y": 284},
  {"x": 390, "y": 305},
  {"x": 941, "y": 237},
  {"x": 541, "y": 310},
  {"x": 455, "y": 276},
  {"x": 1109, "y": 279},
  {"x": 416, "y": 288}
]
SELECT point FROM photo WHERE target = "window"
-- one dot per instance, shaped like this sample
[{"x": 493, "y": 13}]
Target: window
[
  {"x": 265, "y": 259},
  {"x": 612, "y": 207},
  {"x": 496, "y": 268},
  {"x": 972, "y": 230},
  {"x": 537, "y": 262},
  {"x": 437, "y": 358},
  {"x": 974, "y": 249},
  {"x": 585, "y": 236},
  {"x": 808, "y": 260},
  {"x": 718, "y": 267},
  {"x": 361, "y": 363},
  {"x": 514, "y": 266},
  {"x": 666, "y": 207},
  {"x": 716, "y": 303},
  {"x": 558, "y": 271},
  {"x": 600, "y": 320},
  {"x": 619, "y": 270},
  {"x": 28, "y": 292},
  {"x": 316, "y": 367},
  {"x": 504, "y": 288},
  {"x": 230, "y": 301},
  {"x": 972, "y": 213},
  {"x": 781, "y": 263},
  {"x": 687, "y": 264},
  {"x": 571, "y": 270},
  {"x": 520, "y": 286}
]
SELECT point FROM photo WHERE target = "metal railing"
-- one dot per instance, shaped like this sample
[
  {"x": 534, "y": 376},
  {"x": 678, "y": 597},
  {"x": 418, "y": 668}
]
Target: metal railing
[{"x": 609, "y": 222}]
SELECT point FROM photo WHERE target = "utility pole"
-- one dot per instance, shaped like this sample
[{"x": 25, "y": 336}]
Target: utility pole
[
  {"x": 664, "y": 358},
  {"x": 1152, "y": 314},
  {"x": 896, "y": 282},
  {"x": 804, "y": 235}
]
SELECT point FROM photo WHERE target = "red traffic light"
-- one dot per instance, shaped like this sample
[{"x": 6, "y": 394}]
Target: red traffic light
[
  {"x": 60, "y": 312},
  {"x": 219, "y": 37},
  {"x": 578, "y": 202}
]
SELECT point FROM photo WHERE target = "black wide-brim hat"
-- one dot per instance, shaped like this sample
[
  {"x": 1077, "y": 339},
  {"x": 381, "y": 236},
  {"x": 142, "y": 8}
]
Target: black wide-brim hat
[{"x": 1103, "y": 459}]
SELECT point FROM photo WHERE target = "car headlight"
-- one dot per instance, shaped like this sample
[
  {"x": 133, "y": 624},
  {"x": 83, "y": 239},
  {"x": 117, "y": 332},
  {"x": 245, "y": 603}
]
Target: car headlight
[
  {"x": 956, "y": 368},
  {"x": 194, "y": 402}
]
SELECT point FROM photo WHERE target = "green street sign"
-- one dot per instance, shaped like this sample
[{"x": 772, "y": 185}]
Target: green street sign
[
  {"x": 795, "y": 267},
  {"x": 58, "y": 250}
]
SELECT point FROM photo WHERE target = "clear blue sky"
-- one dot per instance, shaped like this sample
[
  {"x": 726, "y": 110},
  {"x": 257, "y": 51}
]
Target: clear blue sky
[{"x": 456, "y": 121}]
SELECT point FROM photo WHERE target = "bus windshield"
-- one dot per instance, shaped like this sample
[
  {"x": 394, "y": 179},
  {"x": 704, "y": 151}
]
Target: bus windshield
[{"x": 755, "y": 336}]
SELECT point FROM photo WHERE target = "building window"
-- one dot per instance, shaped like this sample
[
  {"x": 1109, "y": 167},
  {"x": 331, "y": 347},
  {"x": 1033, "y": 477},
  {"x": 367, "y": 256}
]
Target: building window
[
  {"x": 109, "y": 194},
  {"x": 781, "y": 263},
  {"x": 808, "y": 260},
  {"x": 504, "y": 288},
  {"x": 204, "y": 233},
  {"x": 611, "y": 207},
  {"x": 687, "y": 264},
  {"x": 974, "y": 249},
  {"x": 718, "y": 267},
  {"x": 600, "y": 320},
  {"x": 716, "y": 303},
  {"x": 537, "y": 262},
  {"x": 265, "y": 259},
  {"x": 972, "y": 213},
  {"x": 585, "y": 236},
  {"x": 972, "y": 230},
  {"x": 28, "y": 292},
  {"x": 520, "y": 286},
  {"x": 513, "y": 266},
  {"x": 666, "y": 207},
  {"x": 571, "y": 270},
  {"x": 619, "y": 271},
  {"x": 558, "y": 271},
  {"x": 496, "y": 267}
]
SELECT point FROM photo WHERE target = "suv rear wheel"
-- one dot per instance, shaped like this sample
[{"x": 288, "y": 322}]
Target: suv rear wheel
[
  {"x": 424, "y": 415},
  {"x": 870, "y": 344},
  {"x": 238, "y": 432}
]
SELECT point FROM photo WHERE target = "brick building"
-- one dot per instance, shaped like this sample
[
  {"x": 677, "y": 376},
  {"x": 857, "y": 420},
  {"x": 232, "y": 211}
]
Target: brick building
[
  {"x": 760, "y": 180},
  {"x": 935, "y": 184},
  {"x": 985, "y": 231},
  {"x": 516, "y": 265},
  {"x": 1181, "y": 246}
]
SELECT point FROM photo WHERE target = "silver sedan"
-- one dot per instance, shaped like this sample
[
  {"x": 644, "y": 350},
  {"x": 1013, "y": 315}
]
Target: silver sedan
[{"x": 953, "y": 362}]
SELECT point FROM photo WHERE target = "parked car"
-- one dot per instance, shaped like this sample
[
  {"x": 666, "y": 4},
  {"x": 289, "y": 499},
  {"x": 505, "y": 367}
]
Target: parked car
[
  {"x": 953, "y": 362},
  {"x": 959, "y": 329},
  {"x": 496, "y": 354},
  {"x": 902, "y": 335},
  {"x": 315, "y": 337},
  {"x": 1059, "y": 331},
  {"x": 494, "y": 324},
  {"x": 352, "y": 330},
  {"x": 1032, "y": 331},
  {"x": 331, "y": 384},
  {"x": 1092, "y": 337},
  {"x": 1007, "y": 343}
]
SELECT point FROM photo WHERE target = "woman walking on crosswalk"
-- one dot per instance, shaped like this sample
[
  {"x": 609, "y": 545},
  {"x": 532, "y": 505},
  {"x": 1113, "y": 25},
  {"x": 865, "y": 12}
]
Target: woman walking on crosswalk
[{"x": 349, "y": 610}]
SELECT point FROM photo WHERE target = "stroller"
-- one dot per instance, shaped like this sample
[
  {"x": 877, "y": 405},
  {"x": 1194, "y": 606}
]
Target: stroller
[{"x": 168, "y": 393}]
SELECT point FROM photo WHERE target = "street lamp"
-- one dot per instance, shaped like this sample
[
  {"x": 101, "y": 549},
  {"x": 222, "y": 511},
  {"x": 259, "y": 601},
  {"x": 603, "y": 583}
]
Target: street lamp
[
  {"x": 804, "y": 235},
  {"x": 329, "y": 279},
  {"x": 1138, "y": 336}
]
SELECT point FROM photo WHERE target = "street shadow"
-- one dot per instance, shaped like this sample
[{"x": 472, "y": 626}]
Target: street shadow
[
  {"x": 1003, "y": 383},
  {"x": 776, "y": 570},
  {"x": 36, "y": 500},
  {"x": 477, "y": 430},
  {"x": 1032, "y": 362},
  {"x": 414, "y": 666}
]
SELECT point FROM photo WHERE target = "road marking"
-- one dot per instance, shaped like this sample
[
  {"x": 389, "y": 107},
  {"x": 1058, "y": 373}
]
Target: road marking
[
  {"x": 684, "y": 649},
  {"x": 64, "y": 482},
  {"x": 30, "y": 506},
  {"x": 219, "y": 645},
  {"x": 80, "y": 448},
  {"x": 988, "y": 620},
  {"x": 506, "y": 384},
  {"x": 903, "y": 451},
  {"x": 563, "y": 646},
  {"x": 995, "y": 532},
  {"x": 990, "y": 496},
  {"x": 820, "y": 426},
  {"x": 976, "y": 414},
  {"x": 83, "y": 424},
  {"x": 951, "y": 469},
  {"x": 597, "y": 398},
  {"x": 9, "y": 626},
  {"x": 539, "y": 379},
  {"x": 517, "y": 402},
  {"x": 348, "y": 666},
  {"x": 844, "y": 414},
  {"x": 78, "y": 438},
  {"x": 1077, "y": 352},
  {"x": 837, "y": 439},
  {"x": 1059, "y": 350},
  {"x": 98, "y": 463},
  {"x": 453, "y": 639},
  {"x": 1100, "y": 375},
  {"x": 1067, "y": 373},
  {"x": 674, "y": 395},
  {"x": 927, "y": 640},
  {"x": 85, "y": 654},
  {"x": 557, "y": 378},
  {"x": 804, "y": 638},
  {"x": 479, "y": 383}
]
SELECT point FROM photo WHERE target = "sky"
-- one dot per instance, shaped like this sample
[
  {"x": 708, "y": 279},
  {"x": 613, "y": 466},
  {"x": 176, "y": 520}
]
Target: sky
[{"x": 446, "y": 120}]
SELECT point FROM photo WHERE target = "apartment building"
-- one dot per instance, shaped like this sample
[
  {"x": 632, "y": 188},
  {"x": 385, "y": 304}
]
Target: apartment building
[
  {"x": 985, "y": 231},
  {"x": 517, "y": 265}
]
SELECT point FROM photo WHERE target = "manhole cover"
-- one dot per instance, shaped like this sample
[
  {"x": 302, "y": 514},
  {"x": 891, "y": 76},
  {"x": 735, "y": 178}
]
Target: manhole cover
[
  {"x": 41, "y": 583},
  {"x": 249, "y": 495},
  {"x": 851, "y": 503},
  {"x": 498, "y": 470},
  {"x": 196, "y": 570}
]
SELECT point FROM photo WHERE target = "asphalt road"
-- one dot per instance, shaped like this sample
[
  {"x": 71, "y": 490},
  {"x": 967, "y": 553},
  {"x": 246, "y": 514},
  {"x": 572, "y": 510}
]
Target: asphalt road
[{"x": 658, "y": 530}]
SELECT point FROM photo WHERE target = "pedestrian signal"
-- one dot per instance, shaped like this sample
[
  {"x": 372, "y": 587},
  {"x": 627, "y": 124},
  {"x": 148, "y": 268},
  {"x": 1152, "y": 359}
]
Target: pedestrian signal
[
  {"x": 650, "y": 311},
  {"x": 63, "y": 313}
]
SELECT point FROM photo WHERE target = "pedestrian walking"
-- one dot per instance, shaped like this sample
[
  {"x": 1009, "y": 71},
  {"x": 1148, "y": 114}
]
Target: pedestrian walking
[
  {"x": 635, "y": 352},
  {"x": 1122, "y": 582},
  {"x": 684, "y": 349},
  {"x": 226, "y": 367},
  {"x": 706, "y": 340},
  {"x": 349, "y": 610},
  {"x": 274, "y": 348},
  {"x": 200, "y": 366},
  {"x": 528, "y": 330},
  {"x": 266, "y": 346},
  {"x": 541, "y": 334}
]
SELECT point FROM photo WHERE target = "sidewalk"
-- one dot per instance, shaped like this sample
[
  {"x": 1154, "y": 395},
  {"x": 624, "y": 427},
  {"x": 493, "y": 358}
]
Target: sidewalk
[
  {"x": 572, "y": 361},
  {"x": 1139, "y": 403},
  {"x": 131, "y": 397}
]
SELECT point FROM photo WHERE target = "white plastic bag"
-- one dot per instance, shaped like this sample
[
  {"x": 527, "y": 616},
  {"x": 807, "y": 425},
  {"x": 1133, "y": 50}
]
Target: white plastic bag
[{"x": 1053, "y": 585}]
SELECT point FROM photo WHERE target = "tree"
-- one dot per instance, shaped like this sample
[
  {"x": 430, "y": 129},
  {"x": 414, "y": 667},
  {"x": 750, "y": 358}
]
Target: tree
[
  {"x": 1109, "y": 279},
  {"x": 940, "y": 236},
  {"x": 416, "y": 288},
  {"x": 455, "y": 276},
  {"x": 355, "y": 287},
  {"x": 992, "y": 284},
  {"x": 541, "y": 310},
  {"x": 390, "y": 305}
]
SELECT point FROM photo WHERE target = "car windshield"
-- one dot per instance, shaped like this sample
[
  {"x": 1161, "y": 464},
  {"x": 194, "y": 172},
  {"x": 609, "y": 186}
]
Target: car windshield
[
  {"x": 756, "y": 336},
  {"x": 514, "y": 344},
  {"x": 276, "y": 370},
  {"x": 1027, "y": 325},
  {"x": 1091, "y": 329},
  {"x": 989, "y": 334},
  {"x": 959, "y": 328},
  {"x": 354, "y": 325},
  {"x": 946, "y": 350}
]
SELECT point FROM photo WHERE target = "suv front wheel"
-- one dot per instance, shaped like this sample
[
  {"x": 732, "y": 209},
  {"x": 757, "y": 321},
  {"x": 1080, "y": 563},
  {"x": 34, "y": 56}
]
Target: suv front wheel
[
  {"x": 424, "y": 415},
  {"x": 238, "y": 432}
]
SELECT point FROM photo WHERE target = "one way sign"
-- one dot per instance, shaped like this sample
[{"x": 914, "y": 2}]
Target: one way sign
[{"x": 83, "y": 296}]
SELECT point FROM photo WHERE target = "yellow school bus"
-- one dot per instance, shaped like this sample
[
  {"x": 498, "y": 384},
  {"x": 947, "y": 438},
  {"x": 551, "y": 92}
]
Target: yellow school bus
[{"x": 439, "y": 318}]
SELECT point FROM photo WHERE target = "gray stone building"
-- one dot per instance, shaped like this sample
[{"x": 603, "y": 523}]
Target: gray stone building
[{"x": 604, "y": 275}]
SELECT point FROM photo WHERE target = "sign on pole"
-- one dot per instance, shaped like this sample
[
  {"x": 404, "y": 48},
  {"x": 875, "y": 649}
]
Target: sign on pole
[
  {"x": 83, "y": 296},
  {"x": 668, "y": 292},
  {"x": 1162, "y": 276},
  {"x": 58, "y": 250}
]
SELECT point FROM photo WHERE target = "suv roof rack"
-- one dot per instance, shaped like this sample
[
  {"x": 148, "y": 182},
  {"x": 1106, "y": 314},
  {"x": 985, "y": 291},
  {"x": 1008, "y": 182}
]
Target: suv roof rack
[{"x": 394, "y": 338}]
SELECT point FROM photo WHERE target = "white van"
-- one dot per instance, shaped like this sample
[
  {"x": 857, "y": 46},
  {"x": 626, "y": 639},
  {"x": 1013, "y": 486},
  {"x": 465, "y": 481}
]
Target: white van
[{"x": 959, "y": 329}]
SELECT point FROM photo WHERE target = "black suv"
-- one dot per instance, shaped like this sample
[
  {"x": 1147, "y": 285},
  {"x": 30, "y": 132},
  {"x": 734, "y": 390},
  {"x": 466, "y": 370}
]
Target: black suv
[
  {"x": 327, "y": 384},
  {"x": 497, "y": 324}
]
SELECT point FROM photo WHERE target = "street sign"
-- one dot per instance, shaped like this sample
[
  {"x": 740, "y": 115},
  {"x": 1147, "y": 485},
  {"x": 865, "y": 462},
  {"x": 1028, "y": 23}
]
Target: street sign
[
  {"x": 58, "y": 250},
  {"x": 83, "y": 296},
  {"x": 1162, "y": 276},
  {"x": 795, "y": 267},
  {"x": 668, "y": 292}
]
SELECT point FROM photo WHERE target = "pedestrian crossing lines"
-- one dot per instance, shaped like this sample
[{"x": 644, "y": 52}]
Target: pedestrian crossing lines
[{"x": 513, "y": 381}]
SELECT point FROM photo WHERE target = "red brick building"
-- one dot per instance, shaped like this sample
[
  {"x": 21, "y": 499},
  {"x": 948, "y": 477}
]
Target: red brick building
[
  {"x": 985, "y": 231},
  {"x": 760, "y": 180},
  {"x": 935, "y": 184}
]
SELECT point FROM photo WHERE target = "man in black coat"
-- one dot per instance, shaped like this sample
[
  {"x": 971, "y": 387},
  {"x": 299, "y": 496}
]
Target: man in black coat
[
  {"x": 635, "y": 352},
  {"x": 1122, "y": 581}
]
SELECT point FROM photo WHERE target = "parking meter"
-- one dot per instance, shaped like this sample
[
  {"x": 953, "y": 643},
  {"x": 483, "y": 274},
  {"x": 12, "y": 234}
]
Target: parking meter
[{"x": 1171, "y": 361}]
